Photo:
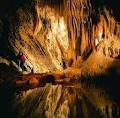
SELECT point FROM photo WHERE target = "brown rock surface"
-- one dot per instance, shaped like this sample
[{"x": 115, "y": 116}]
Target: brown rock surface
[{"x": 33, "y": 81}]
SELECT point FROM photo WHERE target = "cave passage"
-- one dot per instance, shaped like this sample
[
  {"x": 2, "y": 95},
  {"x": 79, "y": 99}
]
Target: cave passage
[{"x": 59, "y": 59}]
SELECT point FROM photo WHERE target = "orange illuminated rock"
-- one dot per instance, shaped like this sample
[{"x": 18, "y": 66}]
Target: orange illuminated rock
[
  {"x": 33, "y": 81},
  {"x": 20, "y": 82},
  {"x": 58, "y": 76}
]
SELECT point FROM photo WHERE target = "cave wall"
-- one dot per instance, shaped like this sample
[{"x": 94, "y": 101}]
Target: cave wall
[{"x": 60, "y": 34}]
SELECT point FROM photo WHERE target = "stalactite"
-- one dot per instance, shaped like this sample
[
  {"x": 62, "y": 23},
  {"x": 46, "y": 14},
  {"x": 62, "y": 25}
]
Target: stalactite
[
  {"x": 85, "y": 27},
  {"x": 77, "y": 14}
]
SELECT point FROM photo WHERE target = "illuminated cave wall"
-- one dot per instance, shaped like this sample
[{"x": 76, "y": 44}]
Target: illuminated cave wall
[{"x": 56, "y": 34}]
